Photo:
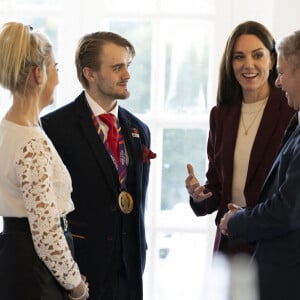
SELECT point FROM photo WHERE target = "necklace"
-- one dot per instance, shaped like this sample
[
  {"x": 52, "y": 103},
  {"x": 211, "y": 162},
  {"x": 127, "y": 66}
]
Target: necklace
[{"x": 247, "y": 128}]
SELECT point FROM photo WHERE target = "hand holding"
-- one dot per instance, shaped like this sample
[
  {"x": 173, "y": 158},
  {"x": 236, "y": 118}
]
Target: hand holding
[
  {"x": 195, "y": 190},
  {"x": 233, "y": 208}
]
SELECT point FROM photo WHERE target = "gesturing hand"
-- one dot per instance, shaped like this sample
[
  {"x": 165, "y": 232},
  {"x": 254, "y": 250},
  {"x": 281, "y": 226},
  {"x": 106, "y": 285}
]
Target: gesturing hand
[{"x": 193, "y": 186}]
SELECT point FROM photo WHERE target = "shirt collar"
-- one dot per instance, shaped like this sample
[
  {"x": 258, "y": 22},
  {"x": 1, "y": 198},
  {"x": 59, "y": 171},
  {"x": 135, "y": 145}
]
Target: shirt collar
[{"x": 97, "y": 109}]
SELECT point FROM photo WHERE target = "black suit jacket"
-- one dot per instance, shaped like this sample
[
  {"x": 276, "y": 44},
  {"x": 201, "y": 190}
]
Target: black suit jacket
[{"x": 105, "y": 239}]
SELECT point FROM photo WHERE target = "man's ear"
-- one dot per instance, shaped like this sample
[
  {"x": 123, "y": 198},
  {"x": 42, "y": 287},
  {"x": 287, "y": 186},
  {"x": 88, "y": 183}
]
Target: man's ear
[{"x": 88, "y": 74}]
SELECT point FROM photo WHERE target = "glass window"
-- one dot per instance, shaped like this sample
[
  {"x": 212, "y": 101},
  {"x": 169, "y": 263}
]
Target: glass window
[
  {"x": 187, "y": 57},
  {"x": 170, "y": 86},
  {"x": 188, "y": 6},
  {"x": 140, "y": 35},
  {"x": 48, "y": 24},
  {"x": 44, "y": 4},
  {"x": 180, "y": 146},
  {"x": 130, "y": 6},
  {"x": 179, "y": 255},
  {"x": 2, "y": 5}
]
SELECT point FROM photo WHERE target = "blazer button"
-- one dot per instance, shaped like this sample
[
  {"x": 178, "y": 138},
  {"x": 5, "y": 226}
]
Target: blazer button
[{"x": 109, "y": 237}]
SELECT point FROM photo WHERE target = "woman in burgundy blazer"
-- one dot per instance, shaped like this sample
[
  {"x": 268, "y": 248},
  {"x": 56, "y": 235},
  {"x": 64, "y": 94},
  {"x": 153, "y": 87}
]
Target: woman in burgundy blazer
[{"x": 224, "y": 125}]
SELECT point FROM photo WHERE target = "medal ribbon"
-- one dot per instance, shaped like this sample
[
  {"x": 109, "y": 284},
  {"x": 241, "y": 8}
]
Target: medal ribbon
[{"x": 121, "y": 167}]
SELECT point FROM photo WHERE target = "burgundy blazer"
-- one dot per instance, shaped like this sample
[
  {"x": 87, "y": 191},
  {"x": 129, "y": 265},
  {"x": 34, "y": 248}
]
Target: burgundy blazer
[{"x": 224, "y": 123}]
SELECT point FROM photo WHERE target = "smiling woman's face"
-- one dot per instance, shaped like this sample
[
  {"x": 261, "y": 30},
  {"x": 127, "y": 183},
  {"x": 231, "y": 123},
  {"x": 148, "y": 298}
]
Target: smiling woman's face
[{"x": 251, "y": 63}]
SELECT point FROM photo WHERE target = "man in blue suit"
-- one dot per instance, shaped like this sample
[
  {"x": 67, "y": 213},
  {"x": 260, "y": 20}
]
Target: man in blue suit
[
  {"x": 274, "y": 223},
  {"x": 109, "y": 174}
]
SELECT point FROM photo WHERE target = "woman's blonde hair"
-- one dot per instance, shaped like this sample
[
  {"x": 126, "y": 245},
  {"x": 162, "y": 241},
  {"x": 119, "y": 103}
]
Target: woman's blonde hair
[{"x": 21, "y": 50}]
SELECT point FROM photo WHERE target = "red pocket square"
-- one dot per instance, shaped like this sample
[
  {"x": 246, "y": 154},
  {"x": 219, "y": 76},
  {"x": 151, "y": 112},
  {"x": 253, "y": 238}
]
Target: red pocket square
[{"x": 147, "y": 154}]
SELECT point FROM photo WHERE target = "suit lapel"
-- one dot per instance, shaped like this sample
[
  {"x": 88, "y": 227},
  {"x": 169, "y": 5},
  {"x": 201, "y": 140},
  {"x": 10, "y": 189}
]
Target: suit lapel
[
  {"x": 102, "y": 158},
  {"x": 229, "y": 129},
  {"x": 277, "y": 161},
  {"x": 132, "y": 142}
]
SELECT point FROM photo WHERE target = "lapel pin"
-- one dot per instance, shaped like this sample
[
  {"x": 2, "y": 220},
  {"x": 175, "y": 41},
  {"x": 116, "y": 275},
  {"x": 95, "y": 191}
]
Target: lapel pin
[{"x": 135, "y": 133}]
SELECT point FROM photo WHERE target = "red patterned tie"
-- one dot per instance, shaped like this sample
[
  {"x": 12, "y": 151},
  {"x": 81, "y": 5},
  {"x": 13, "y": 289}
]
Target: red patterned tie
[{"x": 112, "y": 135}]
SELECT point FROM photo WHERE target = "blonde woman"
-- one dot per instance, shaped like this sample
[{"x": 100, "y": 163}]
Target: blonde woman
[{"x": 35, "y": 187}]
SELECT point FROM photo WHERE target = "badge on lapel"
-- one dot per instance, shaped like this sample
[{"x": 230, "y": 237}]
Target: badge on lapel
[
  {"x": 135, "y": 133},
  {"x": 147, "y": 153}
]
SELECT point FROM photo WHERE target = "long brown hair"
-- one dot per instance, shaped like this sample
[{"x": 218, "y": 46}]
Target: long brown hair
[{"x": 229, "y": 90}]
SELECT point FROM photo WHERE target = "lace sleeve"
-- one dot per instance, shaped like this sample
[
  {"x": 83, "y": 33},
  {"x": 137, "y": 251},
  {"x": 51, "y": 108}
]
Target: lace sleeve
[{"x": 35, "y": 170}]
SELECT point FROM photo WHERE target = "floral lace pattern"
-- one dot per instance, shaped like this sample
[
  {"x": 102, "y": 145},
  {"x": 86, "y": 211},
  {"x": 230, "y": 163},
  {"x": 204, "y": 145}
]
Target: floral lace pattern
[{"x": 43, "y": 181}]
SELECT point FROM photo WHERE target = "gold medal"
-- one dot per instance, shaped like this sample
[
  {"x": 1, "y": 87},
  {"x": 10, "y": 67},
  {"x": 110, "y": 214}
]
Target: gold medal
[{"x": 125, "y": 202}]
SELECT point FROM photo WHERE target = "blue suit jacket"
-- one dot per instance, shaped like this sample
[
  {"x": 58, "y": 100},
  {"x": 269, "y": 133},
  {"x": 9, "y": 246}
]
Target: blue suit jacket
[
  {"x": 274, "y": 223},
  {"x": 104, "y": 237}
]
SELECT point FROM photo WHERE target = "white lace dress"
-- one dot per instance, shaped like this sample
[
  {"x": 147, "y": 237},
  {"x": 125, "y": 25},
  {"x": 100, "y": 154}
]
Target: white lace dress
[{"x": 34, "y": 183}]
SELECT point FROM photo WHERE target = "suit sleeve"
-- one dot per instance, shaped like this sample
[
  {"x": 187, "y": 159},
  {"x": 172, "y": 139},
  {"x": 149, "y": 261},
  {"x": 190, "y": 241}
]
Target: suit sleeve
[{"x": 278, "y": 212}]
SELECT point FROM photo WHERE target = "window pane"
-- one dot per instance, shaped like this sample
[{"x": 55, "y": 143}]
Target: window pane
[
  {"x": 139, "y": 34},
  {"x": 2, "y": 4},
  {"x": 48, "y": 25},
  {"x": 42, "y": 3},
  {"x": 189, "y": 6},
  {"x": 180, "y": 146},
  {"x": 179, "y": 267},
  {"x": 180, "y": 217},
  {"x": 131, "y": 5},
  {"x": 188, "y": 48}
]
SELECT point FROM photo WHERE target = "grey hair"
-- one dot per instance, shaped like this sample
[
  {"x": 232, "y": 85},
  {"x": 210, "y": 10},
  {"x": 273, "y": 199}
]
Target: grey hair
[{"x": 289, "y": 48}]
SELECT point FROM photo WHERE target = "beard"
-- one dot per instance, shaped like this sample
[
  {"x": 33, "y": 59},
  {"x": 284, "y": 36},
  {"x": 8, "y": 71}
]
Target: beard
[
  {"x": 113, "y": 91},
  {"x": 120, "y": 95}
]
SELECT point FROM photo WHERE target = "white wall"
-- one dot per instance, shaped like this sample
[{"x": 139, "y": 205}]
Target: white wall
[
  {"x": 281, "y": 17},
  {"x": 286, "y": 17}
]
